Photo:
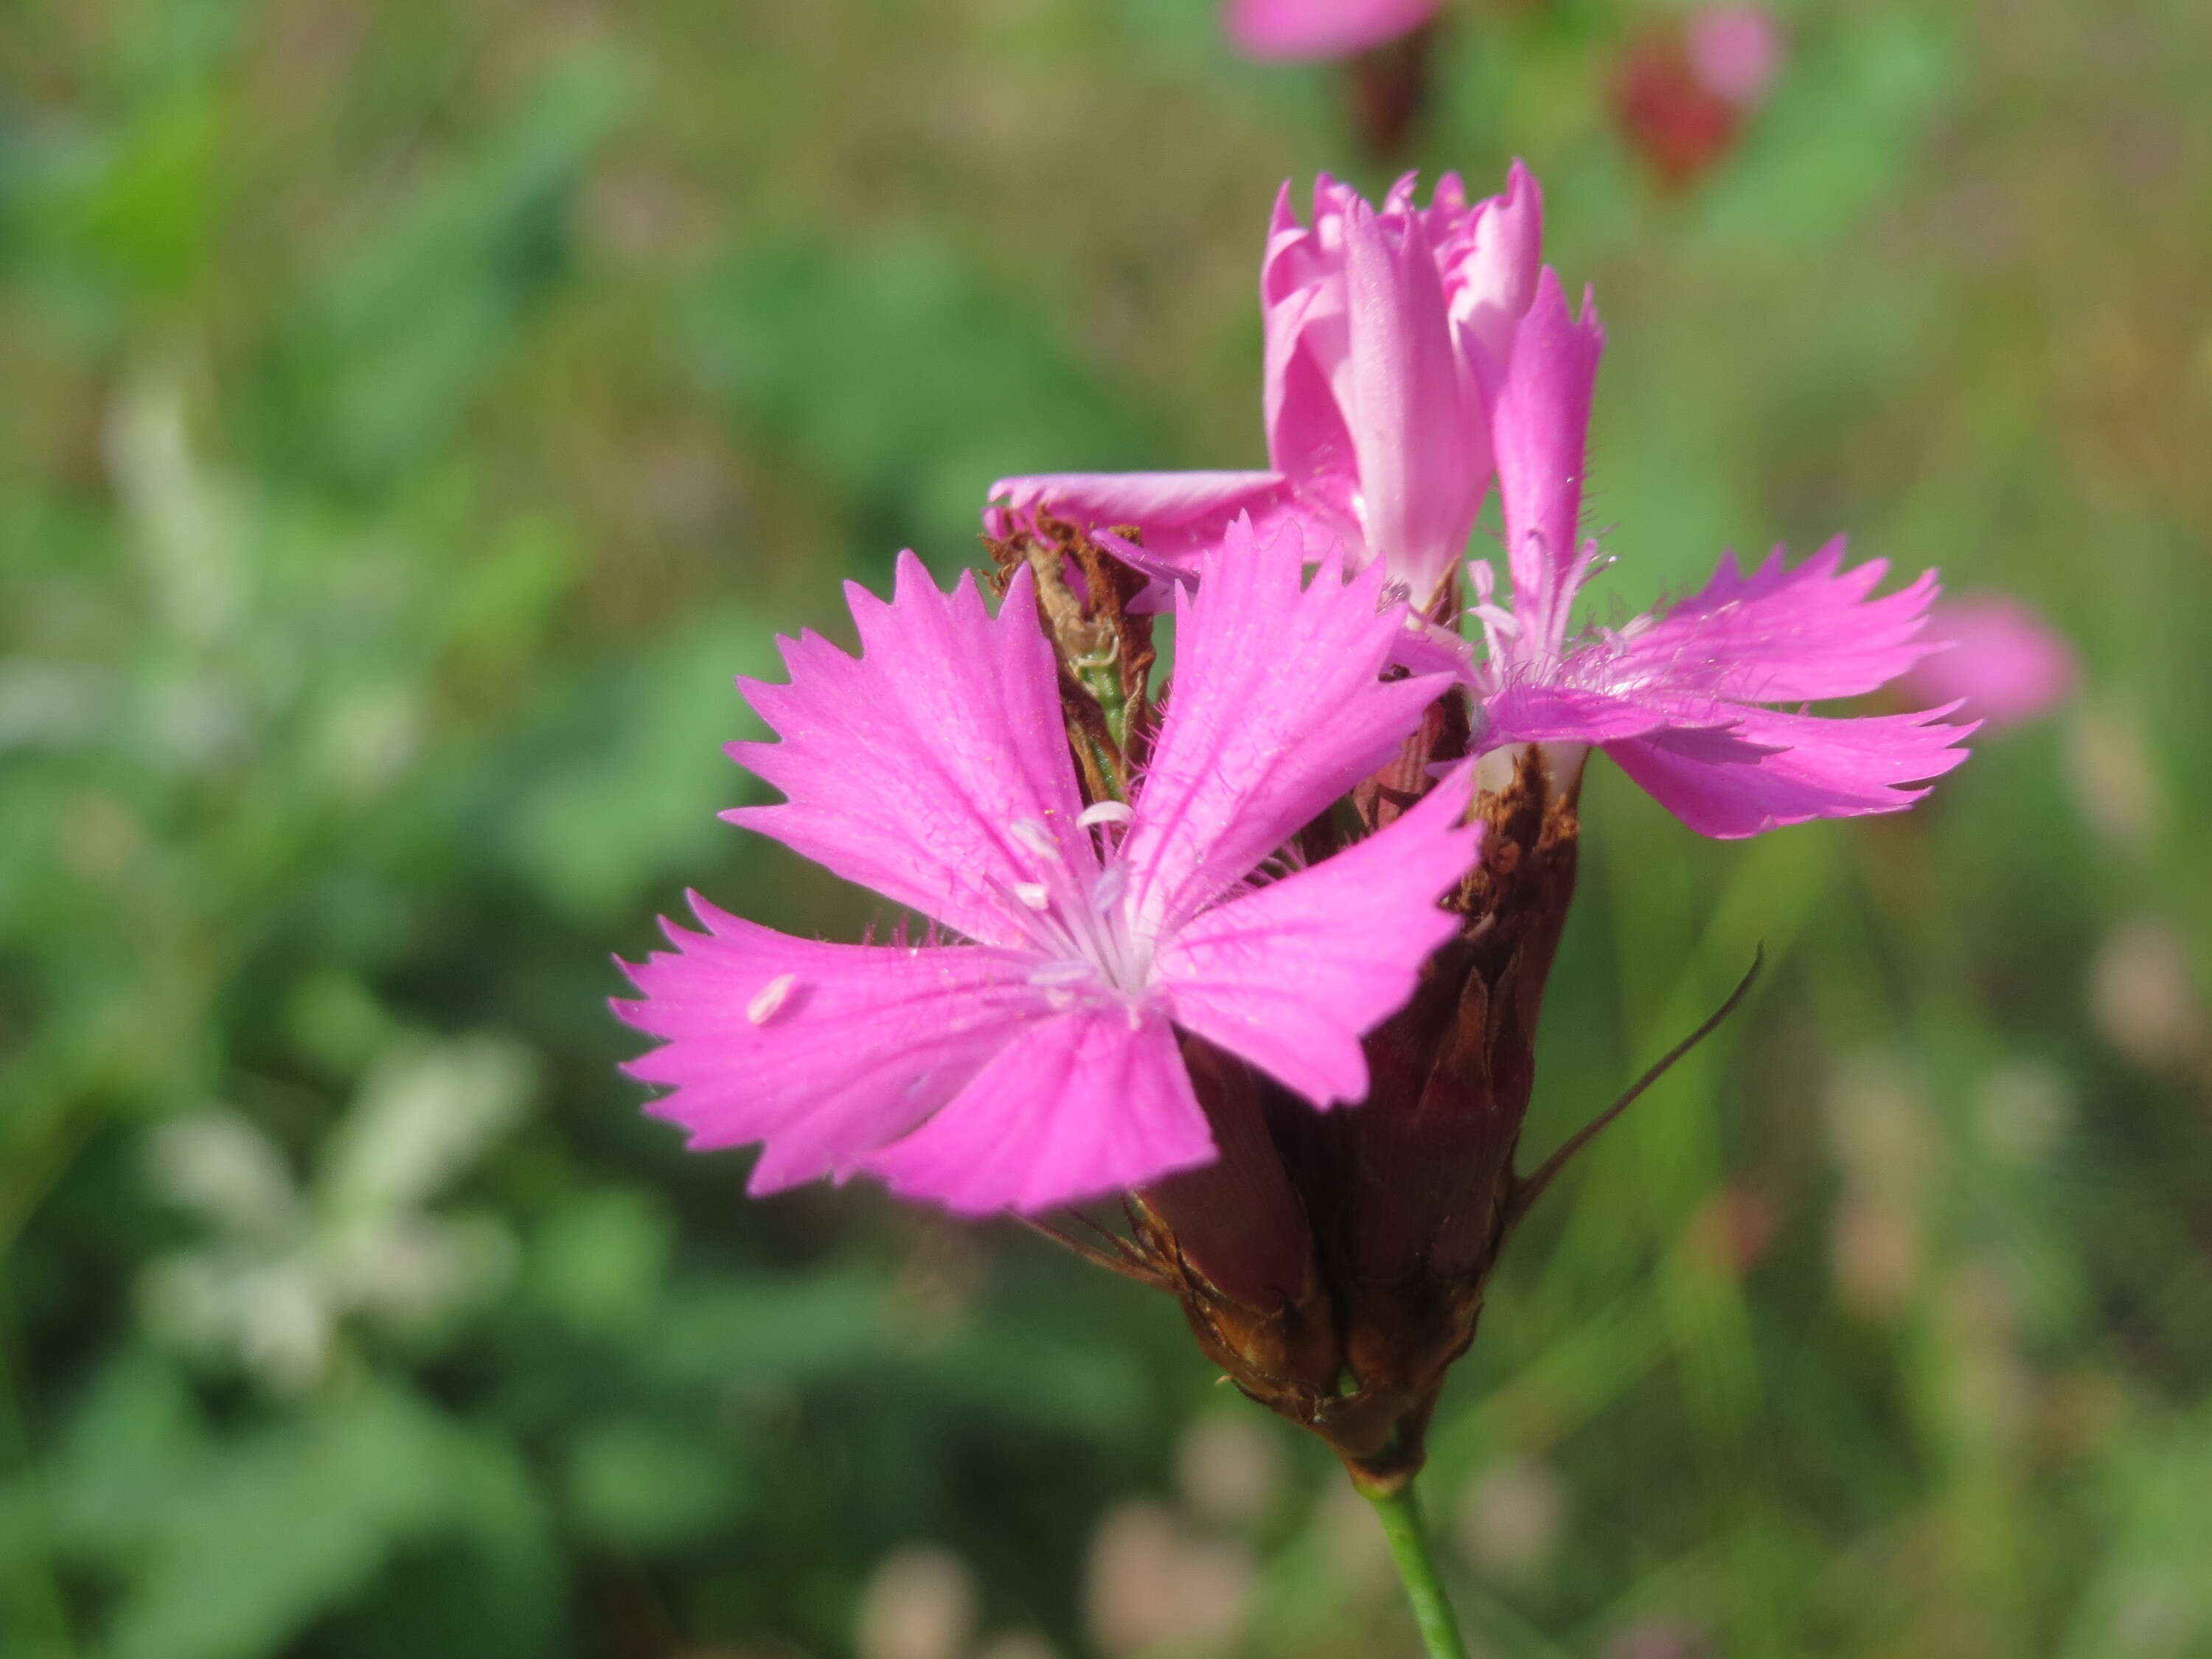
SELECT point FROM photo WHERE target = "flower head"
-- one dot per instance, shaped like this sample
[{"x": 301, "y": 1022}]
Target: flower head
[
  {"x": 1387, "y": 334},
  {"x": 1295, "y": 29},
  {"x": 1031, "y": 1058},
  {"x": 1674, "y": 696}
]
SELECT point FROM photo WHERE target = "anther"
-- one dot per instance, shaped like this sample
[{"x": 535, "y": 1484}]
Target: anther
[
  {"x": 1035, "y": 837},
  {"x": 1104, "y": 811},
  {"x": 1034, "y": 895},
  {"x": 769, "y": 999}
]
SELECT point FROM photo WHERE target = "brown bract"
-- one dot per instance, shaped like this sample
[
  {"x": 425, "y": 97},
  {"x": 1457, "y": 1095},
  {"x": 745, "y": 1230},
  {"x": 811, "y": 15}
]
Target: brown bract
[
  {"x": 1333, "y": 1264},
  {"x": 1104, "y": 651}
]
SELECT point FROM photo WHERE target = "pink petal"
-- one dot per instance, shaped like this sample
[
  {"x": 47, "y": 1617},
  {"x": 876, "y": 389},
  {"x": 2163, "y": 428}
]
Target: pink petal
[
  {"x": 1089, "y": 1102},
  {"x": 824, "y": 1052},
  {"x": 1427, "y": 647},
  {"x": 1532, "y": 712},
  {"x": 1422, "y": 461},
  {"x": 1308, "y": 341},
  {"x": 1182, "y": 514},
  {"x": 1490, "y": 258},
  {"x": 2005, "y": 664},
  {"x": 1734, "y": 51},
  {"x": 1780, "y": 636},
  {"x": 907, "y": 769},
  {"x": 1292, "y": 29},
  {"x": 1773, "y": 770},
  {"x": 1292, "y": 975},
  {"x": 1276, "y": 711},
  {"x": 1538, "y": 429}
]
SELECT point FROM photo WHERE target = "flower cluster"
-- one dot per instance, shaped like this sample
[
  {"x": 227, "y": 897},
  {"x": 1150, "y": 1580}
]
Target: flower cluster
[
  {"x": 1415, "y": 354},
  {"x": 1264, "y": 954}
]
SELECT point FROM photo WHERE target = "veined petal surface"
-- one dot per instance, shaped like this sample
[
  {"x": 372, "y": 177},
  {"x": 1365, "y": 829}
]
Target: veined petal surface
[
  {"x": 1407, "y": 402},
  {"x": 1489, "y": 256},
  {"x": 911, "y": 768},
  {"x": 1538, "y": 429},
  {"x": 1772, "y": 770},
  {"x": 1089, "y": 1102},
  {"x": 1290, "y": 975},
  {"x": 1276, "y": 710},
  {"x": 1780, "y": 635},
  {"x": 823, "y": 1052}
]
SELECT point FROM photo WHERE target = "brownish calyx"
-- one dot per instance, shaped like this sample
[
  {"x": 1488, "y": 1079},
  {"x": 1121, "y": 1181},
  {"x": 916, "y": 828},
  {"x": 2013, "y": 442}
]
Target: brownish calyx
[
  {"x": 1333, "y": 1264},
  {"x": 1104, "y": 652}
]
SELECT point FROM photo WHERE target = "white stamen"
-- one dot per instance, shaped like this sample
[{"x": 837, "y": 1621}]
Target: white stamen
[
  {"x": 769, "y": 999},
  {"x": 1106, "y": 811},
  {"x": 1034, "y": 836},
  {"x": 1112, "y": 882},
  {"x": 1034, "y": 894}
]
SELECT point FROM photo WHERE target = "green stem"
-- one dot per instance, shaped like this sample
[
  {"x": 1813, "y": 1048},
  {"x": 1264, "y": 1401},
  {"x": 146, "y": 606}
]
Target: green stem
[{"x": 1409, "y": 1547}]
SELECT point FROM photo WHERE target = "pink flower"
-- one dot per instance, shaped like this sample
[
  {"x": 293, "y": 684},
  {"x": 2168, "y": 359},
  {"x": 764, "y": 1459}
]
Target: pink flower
[
  {"x": 1031, "y": 1061},
  {"x": 1292, "y": 29},
  {"x": 2005, "y": 664},
  {"x": 1387, "y": 334},
  {"x": 1673, "y": 696},
  {"x": 1734, "y": 52}
]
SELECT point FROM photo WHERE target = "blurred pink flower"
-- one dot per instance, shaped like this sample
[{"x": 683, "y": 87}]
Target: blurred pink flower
[
  {"x": 1387, "y": 334},
  {"x": 1286, "y": 30},
  {"x": 1674, "y": 695},
  {"x": 1033, "y": 1062},
  {"x": 1687, "y": 85},
  {"x": 1734, "y": 52},
  {"x": 2005, "y": 664}
]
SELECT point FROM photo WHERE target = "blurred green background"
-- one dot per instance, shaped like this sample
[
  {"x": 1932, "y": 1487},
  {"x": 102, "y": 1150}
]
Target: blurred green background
[{"x": 412, "y": 415}]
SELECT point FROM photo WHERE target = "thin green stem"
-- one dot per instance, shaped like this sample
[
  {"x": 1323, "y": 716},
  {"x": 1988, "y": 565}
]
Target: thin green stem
[{"x": 1409, "y": 1547}]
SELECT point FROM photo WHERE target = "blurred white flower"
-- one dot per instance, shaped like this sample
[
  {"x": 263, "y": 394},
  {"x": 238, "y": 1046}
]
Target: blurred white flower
[
  {"x": 188, "y": 524},
  {"x": 2142, "y": 998},
  {"x": 1880, "y": 1126},
  {"x": 1017, "y": 1644},
  {"x": 1511, "y": 1516},
  {"x": 48, "y": 705},
  {"x": 283, "y": 1267},
  {"x": 2025, "y": 1108},
  {"x": 370, "y": 737},
  {"x": 1230, "y": 1467},
  {"x": 920, "y": 1603},
  {"x": 1155, "y": 1581},
  {"x": 2114, "y": 776}
]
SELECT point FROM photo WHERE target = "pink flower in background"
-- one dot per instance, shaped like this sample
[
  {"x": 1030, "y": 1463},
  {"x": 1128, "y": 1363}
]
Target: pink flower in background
[
  {"x": 1031, "y": 1060},
  {"x": 1734, "y": 52},
  {"x": 2005, "y": 664},
  {"x": 1674, "y": 695},
  {"x": 1387, "y": 335},
  {"x": 1294, "y": 29}
]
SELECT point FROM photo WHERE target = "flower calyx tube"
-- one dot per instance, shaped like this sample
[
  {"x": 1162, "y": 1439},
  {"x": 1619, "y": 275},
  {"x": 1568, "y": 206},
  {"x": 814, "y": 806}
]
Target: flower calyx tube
[{"x": 1333, "y": 1265}]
